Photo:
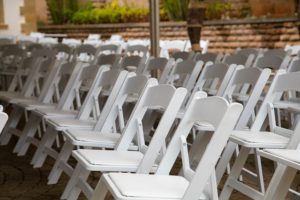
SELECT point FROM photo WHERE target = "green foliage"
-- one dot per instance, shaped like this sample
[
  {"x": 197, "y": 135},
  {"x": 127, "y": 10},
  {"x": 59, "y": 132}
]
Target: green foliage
[
  {"x": 111, "y": 13},
  {"x": 176, "y": 9},
  {"x": 218, "y": 9},
  {"x": 62, "y": 11}
]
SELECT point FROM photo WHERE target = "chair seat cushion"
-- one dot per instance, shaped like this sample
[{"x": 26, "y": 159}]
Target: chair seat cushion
[
  {"x": 47, "y": 112},
  {"x": 287, "y": 154},
  {"x": 14, "y": 97},
  {"x": 111, "y": 158},
  {"x": 31, "y": 105},
  {"x": 105, "y": 140},
  {"x": 259, "y": 139},
  {"x": 70, "y": 123},
  {"x": 150, "y": 186}
]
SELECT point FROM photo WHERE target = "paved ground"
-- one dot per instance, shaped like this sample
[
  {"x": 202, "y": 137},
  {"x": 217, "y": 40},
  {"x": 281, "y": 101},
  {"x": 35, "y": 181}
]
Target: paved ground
[{"x": 19, "y": 181}]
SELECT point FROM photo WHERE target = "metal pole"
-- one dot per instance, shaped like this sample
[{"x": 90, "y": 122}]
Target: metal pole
[{"x": 154, "y": 27}]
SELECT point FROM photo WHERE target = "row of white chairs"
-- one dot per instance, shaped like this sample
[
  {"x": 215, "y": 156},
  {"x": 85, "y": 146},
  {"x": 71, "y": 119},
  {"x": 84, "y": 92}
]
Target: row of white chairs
[{"x": 212, "y": 84}]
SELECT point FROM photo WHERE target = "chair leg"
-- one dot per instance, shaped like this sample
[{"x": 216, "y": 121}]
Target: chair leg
[
  {"x": 259, "y": 170},
  {"x": 47, "y": 141},
  {"x": 29, "y": 131},
  {"x": 63, "y": 157},
  {"x": 72, "y": 191},
  {"x": 12, "y": 122},
  {"x": 100, "y": 190},
  {"x": 235, "y": 172},
  {"x": 224, "y": 160},
  {"x": 280, "y": 183}
]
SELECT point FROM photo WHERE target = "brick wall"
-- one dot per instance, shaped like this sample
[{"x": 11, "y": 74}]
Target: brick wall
[{"x": 223, "y": 36}]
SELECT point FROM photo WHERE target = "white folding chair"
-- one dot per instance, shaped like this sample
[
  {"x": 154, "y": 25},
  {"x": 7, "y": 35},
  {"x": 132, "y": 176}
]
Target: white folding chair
[
  {"x": 109, "y": 49},
  {"x": 48, "y": 41},
  {"x": 208, "y": 57},
  {"x": 214, "y": 79},
  {"x": 185, "y": 74},
  {"x": 85, "y": 53},
  {"x": 171, "y": 45},
  {"x": 163, "y": 65},
  {"x": 239, "y": 59},
  {"x": 133, "y": 63},
  {"x": 293, "y": 49},
  {"x": 111, "y": 60},
  {"x": 41, "y": 62},
  {"x": 288, "y": 163},
  {"x": 255, "y": 139},
  {"x": 50, "y": 94},
  {"x": 81, "y": 79},
  {"x": 101, "y": 137},
  {"x": 196, "y": 183},
  {"x": 137, "y": 49},
  {"x": 63, "y": 51},
  {"x": 183, "y": 55},
  {"x": 71, "y": 42},
  {"x": 121, "y": 159},
  {"x": 107, "y": 80}
]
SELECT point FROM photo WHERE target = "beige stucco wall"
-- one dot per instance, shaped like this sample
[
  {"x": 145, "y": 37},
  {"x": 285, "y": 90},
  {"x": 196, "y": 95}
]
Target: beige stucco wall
[
  {"x": 12, "y": 17},
  {"x": 41, "y": 11}
]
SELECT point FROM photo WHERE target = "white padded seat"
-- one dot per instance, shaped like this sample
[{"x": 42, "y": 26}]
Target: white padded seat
[
  {"x": 13, "y": 97},
  {"x": 49, "y": 112},
  {"x": 152, "y": 187},
  {"x": 112, "y": 160},
  {"x": 259, "y": 139},
  {"x": 63, "y": 123},
  {"x": 287, "y": 154},
  {"x": 78, "y": 137},
  {"x": 31, "y": 105}
]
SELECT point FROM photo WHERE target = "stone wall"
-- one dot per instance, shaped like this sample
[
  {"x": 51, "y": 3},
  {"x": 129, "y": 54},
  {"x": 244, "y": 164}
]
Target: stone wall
[{"x": 224, "y": 36}]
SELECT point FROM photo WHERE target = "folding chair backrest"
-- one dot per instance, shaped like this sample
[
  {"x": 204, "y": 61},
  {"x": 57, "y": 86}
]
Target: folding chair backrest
[
  {"x": 81, "y": 79},
  {"x": 214, "y": 79},
  {"x": 270, "y": 61},
  {"x": 162, "y": 64},
  {"x": 282, "y": 83},
  {"x": 109, "y": 49},
  {"x": 246, "y": 86},
  {"x": 276, "y": 52},
  {"x": 247, "y": 52},
  {"x": 239, "y": 59},
  {"x": 41, "y": 64},
  {"x": 133, "y": 63},
  {"x": 56, "y": 81},
  {"x": 137, "y": 49},
  {"x": 183, "y": 55},
  {"x": 85, "y": 52},
  {"x": 223, "y": 117},
  {"x": 133, "y": 86},
  {"x": 63, "y": 51},
  {"x": 208, "y": 57},
  {"x": 111, "y": 60},
  {"x": 48, "y": 41},
  {"x": 165, "y": 98},
  {"x": 294, "y": 66},
  {"x": 106, "y": 81},
  {"x": 185, "y": 73}
]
